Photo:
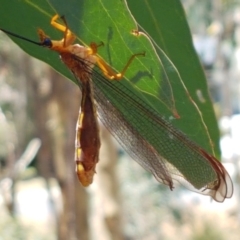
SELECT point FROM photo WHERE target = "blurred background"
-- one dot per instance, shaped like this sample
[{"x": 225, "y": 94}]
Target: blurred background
[{"x": 40, "y": 197}]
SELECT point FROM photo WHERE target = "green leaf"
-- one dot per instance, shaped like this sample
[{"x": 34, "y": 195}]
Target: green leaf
[
  {"x": 111, "y": 23},
  {"x": 166, "y": 23},
  {"x": 170, "y": 89}
]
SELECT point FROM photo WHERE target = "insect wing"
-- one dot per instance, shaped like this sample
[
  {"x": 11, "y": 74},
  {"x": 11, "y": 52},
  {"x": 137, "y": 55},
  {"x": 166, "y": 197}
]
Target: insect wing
[{"x": 154, "y": 143}]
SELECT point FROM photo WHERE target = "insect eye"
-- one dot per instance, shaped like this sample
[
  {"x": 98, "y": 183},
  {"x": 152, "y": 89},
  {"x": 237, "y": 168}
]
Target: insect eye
[{"x": 47, "y": 43}]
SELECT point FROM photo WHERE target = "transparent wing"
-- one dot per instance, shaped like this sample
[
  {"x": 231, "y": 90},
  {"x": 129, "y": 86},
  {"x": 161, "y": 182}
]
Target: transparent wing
[{"x": 154, "y": 143}]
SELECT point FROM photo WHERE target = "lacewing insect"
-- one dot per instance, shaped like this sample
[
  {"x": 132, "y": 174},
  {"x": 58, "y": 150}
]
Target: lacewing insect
[{"x": 162, "y": 150}]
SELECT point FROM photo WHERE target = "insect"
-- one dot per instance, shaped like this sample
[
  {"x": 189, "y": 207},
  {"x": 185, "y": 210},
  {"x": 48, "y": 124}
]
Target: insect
[{"x": 168, "y": 153}]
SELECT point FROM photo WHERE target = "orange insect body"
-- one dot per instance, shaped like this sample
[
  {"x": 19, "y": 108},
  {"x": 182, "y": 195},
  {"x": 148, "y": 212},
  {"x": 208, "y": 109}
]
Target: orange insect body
[
  {"x": 80, "y": 60},
  {"x": 87, "y": 137},
  {"x": 87, "y": 141}
]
